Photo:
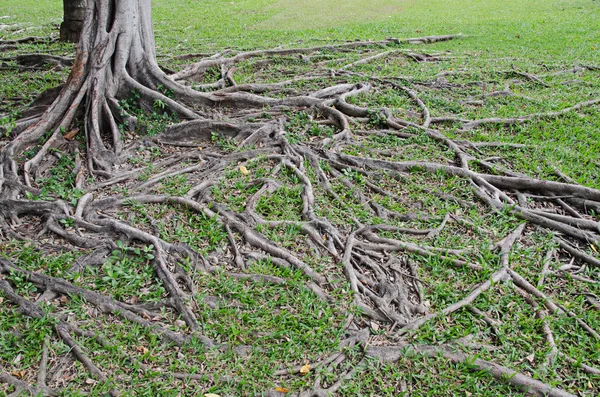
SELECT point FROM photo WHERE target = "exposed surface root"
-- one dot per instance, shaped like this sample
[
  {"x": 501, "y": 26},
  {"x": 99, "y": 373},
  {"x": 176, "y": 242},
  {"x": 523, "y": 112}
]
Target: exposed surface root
[
  {"x": 520, "y": 381},
  {"x": 382, "y": 261}
]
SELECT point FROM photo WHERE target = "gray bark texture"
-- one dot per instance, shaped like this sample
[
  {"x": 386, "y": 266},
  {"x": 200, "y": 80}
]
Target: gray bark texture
[
  {"x": 74, "y": 15},
  {"x": 116, "y": 58}
]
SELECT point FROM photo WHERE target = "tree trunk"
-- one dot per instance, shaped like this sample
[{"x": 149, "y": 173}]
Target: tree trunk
[
  {"x": 74, "y": 16},
  {"x": 115, "y": 55}
]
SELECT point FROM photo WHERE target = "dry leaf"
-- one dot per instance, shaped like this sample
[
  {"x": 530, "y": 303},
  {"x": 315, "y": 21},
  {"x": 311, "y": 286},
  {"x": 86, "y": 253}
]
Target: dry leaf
[
  {"x": 64, "y": 299},
  {"x": 282, "y": 390},
  {"x": 374, "y": 326},
  {"x": 90, "y": 381},
  {"x": 244, "y": 170},
  {"x": 71, "y": 134},
  {"x": 146, "y": 316},
  {"x": 142, "y": 349},
  {"x": 305, "y": 369},
  {"x": 18, "y": 374},
  {"x": 594, "y": 248},
  {"x": 211, "y": 395},
  {"x": 530, "y": 358}
]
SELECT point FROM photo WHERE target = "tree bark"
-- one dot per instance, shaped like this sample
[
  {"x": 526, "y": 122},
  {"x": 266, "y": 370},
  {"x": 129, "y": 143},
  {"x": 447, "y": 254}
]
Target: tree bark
[
  {"x": 115, "y": 55},
  {"x": 74, "y": 16}
]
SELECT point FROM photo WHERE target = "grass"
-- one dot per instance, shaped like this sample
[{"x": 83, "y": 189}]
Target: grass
[{"x": 289, "y": 325}]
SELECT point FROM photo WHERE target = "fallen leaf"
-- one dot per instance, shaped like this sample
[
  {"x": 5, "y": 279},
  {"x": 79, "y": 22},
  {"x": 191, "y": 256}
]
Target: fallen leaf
[
  {"x": 282, "y": 390},
  {"x": 64, "y": 299},
  {"x": 90, "y": 381},
  {"x": 530, "y": 358},
  {"x": 244, "y": 170},
  {"x": 211, "y": 395},
  {"x": 374, "y": 326},
  {"x": 18, "y": 374},
  {"x": 146, "y": 316},
  {"x": 133, "y": 300},
  {"x": 594, "y": 248},
  {"x": 305, "y": 369},
  {"x": 71, "y": 134},
  {"x": 142, "y": 349},
  {"x": 92, "y": 312}
]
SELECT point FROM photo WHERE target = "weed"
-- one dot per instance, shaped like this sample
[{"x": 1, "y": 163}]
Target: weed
[
  {"x": 175, "y": 186},
  {"x": 151, "y": 121},
  {"x": 224, "y": 143}
]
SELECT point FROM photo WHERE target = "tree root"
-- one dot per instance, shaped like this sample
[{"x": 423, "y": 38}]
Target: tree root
[
  {"x": 529, "y": 385},
  {"x": 21, "y": 386},
  {"x": 377, "y": 257}
]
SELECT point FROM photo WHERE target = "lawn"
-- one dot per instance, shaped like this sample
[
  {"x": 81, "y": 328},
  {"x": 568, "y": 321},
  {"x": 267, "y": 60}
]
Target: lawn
[{"x": 513, "y": 59}]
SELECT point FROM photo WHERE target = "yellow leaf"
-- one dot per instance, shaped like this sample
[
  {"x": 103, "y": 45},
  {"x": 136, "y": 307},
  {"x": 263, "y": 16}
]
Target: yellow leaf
[
  {"x": 282, "y": 390},
  {"x": 211, "y": 395},
  {"x": 305, "y": 369},
  {"x": 594, "y": 248},
  {"x": 18, "y": 374},
  {"x": 244, "y": 170}
]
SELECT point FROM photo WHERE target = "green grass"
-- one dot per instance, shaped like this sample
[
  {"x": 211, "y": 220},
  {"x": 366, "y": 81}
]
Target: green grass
[
  {"x": 546, "y": 29},
  {"x": 288, "y": 325}
]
